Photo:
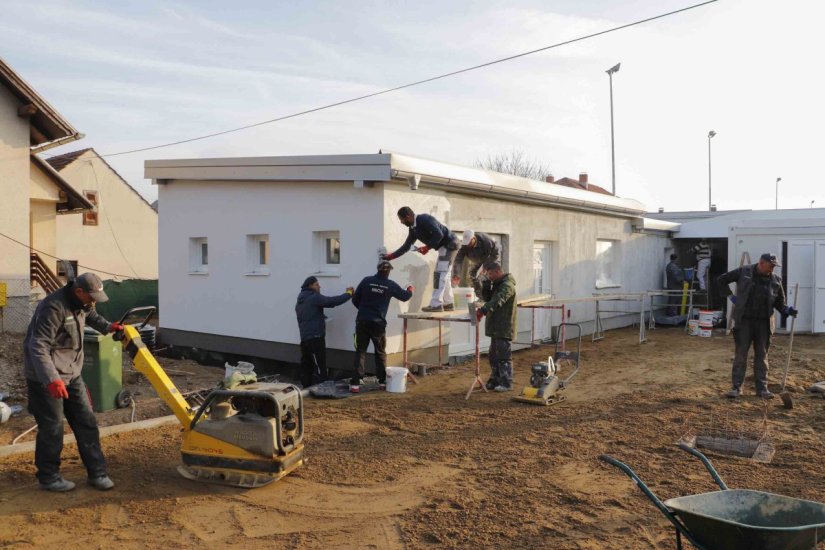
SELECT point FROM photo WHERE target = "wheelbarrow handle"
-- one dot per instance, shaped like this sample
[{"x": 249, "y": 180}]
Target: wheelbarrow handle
[
  {"x": 713, "y": 473},
  {"x": 649, "y": 494}
]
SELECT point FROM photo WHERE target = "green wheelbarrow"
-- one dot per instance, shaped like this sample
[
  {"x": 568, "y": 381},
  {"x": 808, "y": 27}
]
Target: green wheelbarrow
[{"x": 734, "y": 519}]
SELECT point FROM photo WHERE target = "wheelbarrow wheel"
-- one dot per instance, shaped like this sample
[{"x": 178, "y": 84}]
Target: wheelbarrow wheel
[{"x": 123, "y": 399}]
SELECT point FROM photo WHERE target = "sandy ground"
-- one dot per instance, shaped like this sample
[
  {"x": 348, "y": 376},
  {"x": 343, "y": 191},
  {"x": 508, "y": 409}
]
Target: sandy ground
[{"x": 427, "y": 469}]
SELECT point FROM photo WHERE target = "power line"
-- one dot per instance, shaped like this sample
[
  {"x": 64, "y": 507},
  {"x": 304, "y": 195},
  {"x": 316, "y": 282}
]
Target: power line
[
  {"x": 12, "y": 239},
  {"x": 409, "y": 85}
]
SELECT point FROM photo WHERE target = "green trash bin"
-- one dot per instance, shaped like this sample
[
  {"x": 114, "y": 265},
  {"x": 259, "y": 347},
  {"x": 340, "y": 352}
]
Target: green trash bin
[{"x": 102, "y": 369}]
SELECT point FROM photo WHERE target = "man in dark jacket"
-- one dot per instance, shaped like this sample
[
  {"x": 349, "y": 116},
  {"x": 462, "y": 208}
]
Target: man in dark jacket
[
  {"x": 372, "y": 298},
  {"x": 675, "y": 279},
  {"x": 52, "y": 363},
  {"x": 500, "y": 309},
  {"x": 478, "y": 249},
  {"x": 435, "y": 236},
  {"x": 313, "y": 328},
  {"x": 758, "y": 293}
]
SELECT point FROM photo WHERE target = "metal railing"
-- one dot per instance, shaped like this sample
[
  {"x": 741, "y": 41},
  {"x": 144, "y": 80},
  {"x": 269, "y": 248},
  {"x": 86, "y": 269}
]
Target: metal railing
[{"x": 42, "y": 275}]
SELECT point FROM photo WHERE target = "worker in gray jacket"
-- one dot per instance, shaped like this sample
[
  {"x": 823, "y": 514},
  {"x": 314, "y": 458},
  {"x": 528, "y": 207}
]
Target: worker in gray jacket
[
  {"x": 675, "y": 280},
  {"x": 52, "y": 362},
  {"x": 478, "y": 249},
  {"x": 758, "y": 293}
]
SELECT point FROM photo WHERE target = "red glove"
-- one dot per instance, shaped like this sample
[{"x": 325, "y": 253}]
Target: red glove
[
  {"x": 57, "y": 389},
  {"x": 115, "y": 327},
  {"x": 423, "y": 249},
  {"x": 387, "y": 256},
  {"x": 410, "y": 288},
  {"x": 479, "y": 314}
]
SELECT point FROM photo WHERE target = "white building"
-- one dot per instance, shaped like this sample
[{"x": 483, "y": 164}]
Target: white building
[
  {"x": 239, "y": 235},
  {"x": 796, "y": 237}
]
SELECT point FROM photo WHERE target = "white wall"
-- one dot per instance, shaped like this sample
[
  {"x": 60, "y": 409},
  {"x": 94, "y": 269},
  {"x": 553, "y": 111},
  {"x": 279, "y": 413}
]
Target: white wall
[
  {"x": 125, "y": 240},
  {"x": 228, "y": 302}
]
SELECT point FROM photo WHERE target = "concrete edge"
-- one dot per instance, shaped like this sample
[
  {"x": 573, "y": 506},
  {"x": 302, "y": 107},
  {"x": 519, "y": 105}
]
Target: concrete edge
[{"x": 105, "y": 431}]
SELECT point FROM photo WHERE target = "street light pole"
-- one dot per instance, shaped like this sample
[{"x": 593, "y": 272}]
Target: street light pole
[
  {"x": 710, "y": 136},
  {"x": 610, "y": 71},
  {"x": 776, "y": 200}
]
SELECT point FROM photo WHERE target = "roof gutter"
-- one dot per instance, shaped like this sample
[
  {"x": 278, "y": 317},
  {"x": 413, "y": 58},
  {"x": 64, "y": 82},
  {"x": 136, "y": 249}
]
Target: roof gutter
[
  {"x": 515, "y": 195},
  {"x": 56, "y": 143}
]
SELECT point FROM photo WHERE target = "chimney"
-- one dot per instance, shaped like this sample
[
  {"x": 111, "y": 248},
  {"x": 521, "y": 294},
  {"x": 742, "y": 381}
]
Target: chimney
[
  {"x": 661, "y": 209},
  {"x": 583, "y": 179},
  {"x": 713, "y": 208},
  {"x": 550, "y": 178}
]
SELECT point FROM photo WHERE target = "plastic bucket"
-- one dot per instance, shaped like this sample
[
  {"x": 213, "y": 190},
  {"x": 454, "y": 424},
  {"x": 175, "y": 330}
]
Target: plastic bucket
[
  {"x": 464, "y": 296},
  {"x": 705, "y": 331},
  {"x": 693, "y": 327},
  {"x": 397, "y": 379},
  {"x": 706, "y": 317}
]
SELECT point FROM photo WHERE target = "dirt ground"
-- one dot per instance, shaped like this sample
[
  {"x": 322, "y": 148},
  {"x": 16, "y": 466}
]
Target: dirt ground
[
  {"x": 427, "y": 469},
  {"x": 187, "y": 375}
]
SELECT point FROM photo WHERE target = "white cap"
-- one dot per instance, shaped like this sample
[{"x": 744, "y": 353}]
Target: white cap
[{"x": 468, "y": 236}]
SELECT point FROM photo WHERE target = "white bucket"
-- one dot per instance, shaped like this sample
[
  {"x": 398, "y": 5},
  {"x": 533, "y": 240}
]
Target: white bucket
[
  {"x": 397, "y": 379},
  {"x": 693, "y": 327},
  {"x": 463, "y": 296},
  {"x": 242, "y": 367},
  {"x": 706, "y": 317},
  {"x": 705, "y": 331}
]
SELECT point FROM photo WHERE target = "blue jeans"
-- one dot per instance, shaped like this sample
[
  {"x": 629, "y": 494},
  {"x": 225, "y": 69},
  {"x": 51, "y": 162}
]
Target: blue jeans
[{"x": 48, "y": 412}]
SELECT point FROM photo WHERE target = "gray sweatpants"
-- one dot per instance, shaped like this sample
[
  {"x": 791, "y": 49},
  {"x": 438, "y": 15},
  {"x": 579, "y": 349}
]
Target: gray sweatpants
[{"x": 442, "y": 287}]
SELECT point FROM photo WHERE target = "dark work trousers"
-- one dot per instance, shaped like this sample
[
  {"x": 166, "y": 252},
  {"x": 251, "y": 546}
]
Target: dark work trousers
[
  {"x": 366, "y": 332},
  {"x": 314, "y": 361},
  {"x": 673, "y": 303},
  {"x": 501, "y": 361},
  {"x": 758, "y": 333},
  {"x": 48, "y": 412}
]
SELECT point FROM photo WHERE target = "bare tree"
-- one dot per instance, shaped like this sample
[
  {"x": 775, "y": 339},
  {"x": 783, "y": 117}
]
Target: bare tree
[{"x": 516, "y": 163}]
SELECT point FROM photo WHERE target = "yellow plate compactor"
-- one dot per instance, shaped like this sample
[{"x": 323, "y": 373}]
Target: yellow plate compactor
[
  {"x": 545, "y": 382},
  {"x": 246, "y": 437}
]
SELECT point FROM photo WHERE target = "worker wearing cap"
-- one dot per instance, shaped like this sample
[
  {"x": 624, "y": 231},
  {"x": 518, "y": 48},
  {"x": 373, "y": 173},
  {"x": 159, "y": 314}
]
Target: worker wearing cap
[
  {"x": 309, "y": 309},
  {"x": 478, "y": 249},
  {"x": 52, "y": 362},
  {"x": 372, "y": 298},
  {"x": 675, "y": 279},
  {"x": 758, "y": 293},
  {"x": 703, "y": 254},
  {"x": 435, "y": 236},
  {"x": 499, "y": 295}
]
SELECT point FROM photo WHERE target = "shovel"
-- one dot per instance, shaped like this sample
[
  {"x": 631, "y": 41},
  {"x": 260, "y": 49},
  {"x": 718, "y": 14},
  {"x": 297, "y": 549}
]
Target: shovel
[{"x": 787, "y": 401}]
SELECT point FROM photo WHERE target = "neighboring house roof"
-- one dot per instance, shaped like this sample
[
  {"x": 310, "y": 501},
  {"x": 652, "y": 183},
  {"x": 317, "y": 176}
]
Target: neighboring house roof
[
  {"x": 576, "y": 184},
  {"x": 46, "y": 123},
  {"x": 59, "y": 162},
  {"x": 75, "y": 201},
  {"x": 414, "y": 171}
]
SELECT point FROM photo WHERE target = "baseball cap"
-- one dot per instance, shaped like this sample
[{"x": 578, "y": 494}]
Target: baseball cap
[
  {"x": 770, "y": 258},
  {"x": 92, "y": 284},
  {"x": 384, "y": 265},
  {"x": 468, "y": 236}
]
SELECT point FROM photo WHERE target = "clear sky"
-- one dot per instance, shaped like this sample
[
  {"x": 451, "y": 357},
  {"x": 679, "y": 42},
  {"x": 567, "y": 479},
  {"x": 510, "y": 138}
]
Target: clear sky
[{"x": 135, "y": 74}]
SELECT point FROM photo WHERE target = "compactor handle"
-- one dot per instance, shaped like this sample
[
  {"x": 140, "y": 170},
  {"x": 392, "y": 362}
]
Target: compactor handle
[{"x": 135, "y": 310}]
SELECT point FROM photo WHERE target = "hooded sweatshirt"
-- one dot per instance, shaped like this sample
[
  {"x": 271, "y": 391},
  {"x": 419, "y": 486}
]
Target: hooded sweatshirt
[{"x": 310, "y": 312}]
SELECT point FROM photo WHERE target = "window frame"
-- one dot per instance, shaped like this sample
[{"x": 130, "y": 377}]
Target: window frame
[
  {"x": 254, "y": 250},
  {"x": 90, "y": 217},
  {"x": 320, "y": 253},
  {"x": 613, "y": 278},
  {"x": 196, "y": 256}
]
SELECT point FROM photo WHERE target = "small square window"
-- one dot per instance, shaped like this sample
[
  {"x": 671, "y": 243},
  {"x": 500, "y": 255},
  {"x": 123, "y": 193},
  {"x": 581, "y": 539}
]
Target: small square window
[
  {"x": 257, "y": 254},
  {"x": 327, "y": 252},
  {"x": 198, "y": 255},
  {"x": 90, "y": 216}
]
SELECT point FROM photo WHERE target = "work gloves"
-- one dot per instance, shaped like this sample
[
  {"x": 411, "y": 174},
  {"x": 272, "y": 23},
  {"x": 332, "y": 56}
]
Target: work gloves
[
  {"x": 387, "y": 257},
  {"x": 410, "y": 289},
  {"x": 423, "y": 250},
  {"x": 350, "y": 290},
  {"x": 480, "y": 314},
  {"x": 57, "y": 389},
  {"x": 115, "y": 327},
  {"x": 790, "y": 311}
]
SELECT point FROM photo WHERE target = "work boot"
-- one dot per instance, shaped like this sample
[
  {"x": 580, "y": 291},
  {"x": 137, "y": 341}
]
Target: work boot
[
  {"x": 429, "y": 309},
  {"x": 733, "y": 393},
  {"x": 491, "y": 384},
  {"x": 503, "y": 387},
  {"x": 355, "y": 385},
  {"x": 102, "y": 483},
  {"x": 448, "y": 307},
  {"x": 59, "y": 485},
  {"x": 765, "y": 394}
]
